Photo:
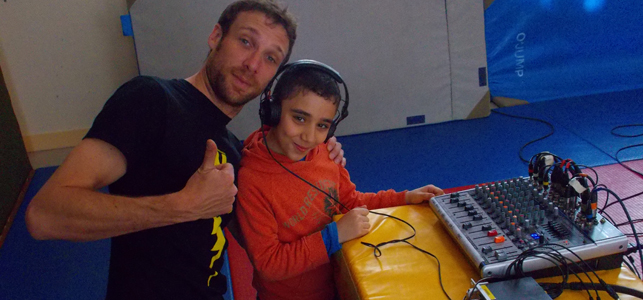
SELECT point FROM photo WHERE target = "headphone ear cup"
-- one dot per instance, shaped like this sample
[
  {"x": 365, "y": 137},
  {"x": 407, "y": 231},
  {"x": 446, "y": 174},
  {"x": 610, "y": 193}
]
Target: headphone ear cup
[
  {"x": 269, "y": 111},
  {"x": 331, "y": 131},
  {"x": 275, "y": 112},
  {"x": 264, "y": 110}
]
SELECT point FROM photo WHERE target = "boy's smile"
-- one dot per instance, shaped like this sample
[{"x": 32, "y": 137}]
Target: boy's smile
[{"x": 305, "y": 120}]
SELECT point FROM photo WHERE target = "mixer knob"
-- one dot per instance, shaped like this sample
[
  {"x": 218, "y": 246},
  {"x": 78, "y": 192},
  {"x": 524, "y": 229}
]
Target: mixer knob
[{"x": 487, "y": 249}]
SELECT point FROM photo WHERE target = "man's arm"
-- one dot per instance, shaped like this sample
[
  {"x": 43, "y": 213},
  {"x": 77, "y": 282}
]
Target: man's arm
[{"x": 69, "y": 207}]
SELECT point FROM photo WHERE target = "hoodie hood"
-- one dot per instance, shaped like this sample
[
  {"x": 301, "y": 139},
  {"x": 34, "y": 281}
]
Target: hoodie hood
[{"x": 255, "y": 155}]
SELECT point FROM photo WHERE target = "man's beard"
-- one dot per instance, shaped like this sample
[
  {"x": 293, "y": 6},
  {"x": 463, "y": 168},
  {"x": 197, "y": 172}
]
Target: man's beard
[
  {"x": 218, "y": 85},
  {"x": 216, "y": 79}
]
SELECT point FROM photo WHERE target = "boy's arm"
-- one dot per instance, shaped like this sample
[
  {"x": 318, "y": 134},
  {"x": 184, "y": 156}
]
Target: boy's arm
[
  {"x": 271, "y": 258},
  {"x": 423, "y": 194},
  {"x": 351, "y": 198}
]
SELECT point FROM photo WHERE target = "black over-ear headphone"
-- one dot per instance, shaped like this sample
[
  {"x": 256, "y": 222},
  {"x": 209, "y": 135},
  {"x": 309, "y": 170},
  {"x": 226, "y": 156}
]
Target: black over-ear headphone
[{"x": 270, "y": 109}]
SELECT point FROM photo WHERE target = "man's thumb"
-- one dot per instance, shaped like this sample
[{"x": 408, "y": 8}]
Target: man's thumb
[{"x": 209, "y": 157}]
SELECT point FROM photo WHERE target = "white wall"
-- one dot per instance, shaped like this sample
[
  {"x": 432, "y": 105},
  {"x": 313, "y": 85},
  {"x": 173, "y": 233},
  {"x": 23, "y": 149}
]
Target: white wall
[
  {"x": 396, "y": 56},
  {"x": 61, "y": 61}
]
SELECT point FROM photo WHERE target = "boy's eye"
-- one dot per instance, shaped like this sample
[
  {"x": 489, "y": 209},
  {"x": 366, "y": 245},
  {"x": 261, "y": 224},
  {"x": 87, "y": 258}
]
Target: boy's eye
[
  {"x": 323, "y": 126},
  {"x": 299, "y": 119}
]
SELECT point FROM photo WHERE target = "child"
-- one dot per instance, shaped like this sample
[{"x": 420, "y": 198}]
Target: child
[{"x": 287, "y": 224}]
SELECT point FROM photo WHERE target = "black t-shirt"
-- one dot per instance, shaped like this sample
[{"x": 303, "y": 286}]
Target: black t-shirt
[{"x": 161, "y": 127}]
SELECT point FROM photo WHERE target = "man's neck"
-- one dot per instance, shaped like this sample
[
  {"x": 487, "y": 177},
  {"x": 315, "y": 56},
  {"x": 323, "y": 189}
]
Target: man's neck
[{"x": 201, "y": 83}]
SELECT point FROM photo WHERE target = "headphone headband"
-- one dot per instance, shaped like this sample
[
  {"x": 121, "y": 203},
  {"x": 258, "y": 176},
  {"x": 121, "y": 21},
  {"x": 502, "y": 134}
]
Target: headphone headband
[{"x": 270, "y": 110}]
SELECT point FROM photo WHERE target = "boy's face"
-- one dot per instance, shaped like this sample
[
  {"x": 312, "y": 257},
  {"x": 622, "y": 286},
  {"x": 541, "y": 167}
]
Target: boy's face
[{"x": 305, "y": 120}]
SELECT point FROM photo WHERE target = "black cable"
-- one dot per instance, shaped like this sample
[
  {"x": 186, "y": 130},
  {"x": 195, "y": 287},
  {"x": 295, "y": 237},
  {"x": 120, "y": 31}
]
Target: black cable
[
  {"x": 624, "y": 165},
  {"x": 629, "y": 262},
  {"x": 627, "y": 147},
  {"x": 376, "y": 249},
  {"x": 623, "y": 199},
  {"x": 614, "y": 289},
  {"x": 626, "y": 126},
  {"x": 562, "y": 259},
  {"x": 627, "y": 214},
  {"x": 533, "y": 141},
  {"x": 584, "y": 263},
  {"x": 605, "y": 214},
  {"x": 626, "y": 223},
  {"x": 517, "y": 264},
  {"x": 588, "y": 167}
]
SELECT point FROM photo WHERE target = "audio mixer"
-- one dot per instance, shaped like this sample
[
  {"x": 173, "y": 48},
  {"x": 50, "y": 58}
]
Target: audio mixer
[{"x": 495, "y": 222}]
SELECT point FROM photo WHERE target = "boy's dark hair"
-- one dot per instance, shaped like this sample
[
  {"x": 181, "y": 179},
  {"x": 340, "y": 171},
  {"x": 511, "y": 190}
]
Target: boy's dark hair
[
  {"x": 275, "y": 12},
  {"x": 299, "y": 79}
]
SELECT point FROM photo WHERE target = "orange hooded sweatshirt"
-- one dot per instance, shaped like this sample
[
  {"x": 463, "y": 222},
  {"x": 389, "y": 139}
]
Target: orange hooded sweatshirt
[{"x": 281, "y": 218}]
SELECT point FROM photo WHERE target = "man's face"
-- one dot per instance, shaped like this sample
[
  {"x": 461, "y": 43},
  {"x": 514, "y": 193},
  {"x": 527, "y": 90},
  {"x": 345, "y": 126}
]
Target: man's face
[{"x": 243, "y": 62}]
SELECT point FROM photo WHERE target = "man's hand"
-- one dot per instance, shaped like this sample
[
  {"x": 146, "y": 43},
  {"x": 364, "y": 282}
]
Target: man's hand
[
  {"x": 210, "y": 191},
  {"x": 353, "y": 224},
  {"x": 336, "y": 152},
  {"x": 422, "y": 194}
]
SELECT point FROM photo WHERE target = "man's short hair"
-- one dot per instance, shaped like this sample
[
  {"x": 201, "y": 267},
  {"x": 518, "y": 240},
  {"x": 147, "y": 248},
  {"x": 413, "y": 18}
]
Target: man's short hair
[
  {"x": 305, "y": 79},
  {"x": 272, "y": 10}
]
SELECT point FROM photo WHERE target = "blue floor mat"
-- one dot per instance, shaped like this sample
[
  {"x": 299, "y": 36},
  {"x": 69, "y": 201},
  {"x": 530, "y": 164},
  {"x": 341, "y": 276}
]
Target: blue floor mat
[
  {"x": 458, "y": 153},
  {"x": 593, "y": 117},
  {"x": 31, "y": 269}
]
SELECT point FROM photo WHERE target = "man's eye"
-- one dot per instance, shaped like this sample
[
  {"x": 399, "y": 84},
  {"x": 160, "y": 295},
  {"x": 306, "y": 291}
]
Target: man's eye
[
  {"x": 299, "y": 119},
  {"x": 323, "y": 126},
  {"x": 245, "y": 41},
  {"x": 272, "y": 59}
]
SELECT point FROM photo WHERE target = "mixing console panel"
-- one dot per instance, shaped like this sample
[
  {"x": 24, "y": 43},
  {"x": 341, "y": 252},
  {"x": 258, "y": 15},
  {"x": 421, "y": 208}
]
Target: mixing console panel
[{"x": 496, "y": 222}]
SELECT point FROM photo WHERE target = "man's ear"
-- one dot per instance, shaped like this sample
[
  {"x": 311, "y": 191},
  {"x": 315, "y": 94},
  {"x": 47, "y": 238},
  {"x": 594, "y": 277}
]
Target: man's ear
[{"x": 215, "y": 37}]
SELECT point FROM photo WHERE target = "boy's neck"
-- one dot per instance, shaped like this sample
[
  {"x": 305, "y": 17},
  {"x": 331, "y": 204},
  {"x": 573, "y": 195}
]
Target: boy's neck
[{"x": 271, "y": 142}]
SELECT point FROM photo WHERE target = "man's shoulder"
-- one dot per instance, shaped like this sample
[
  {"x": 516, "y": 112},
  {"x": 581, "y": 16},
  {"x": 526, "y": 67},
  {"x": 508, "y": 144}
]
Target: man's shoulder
[{"x": 146, "y": 82}]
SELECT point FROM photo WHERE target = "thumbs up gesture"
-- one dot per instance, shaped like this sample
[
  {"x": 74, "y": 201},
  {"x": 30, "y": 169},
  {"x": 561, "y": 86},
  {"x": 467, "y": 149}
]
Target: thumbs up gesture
[{"x": 210, "y": 191}]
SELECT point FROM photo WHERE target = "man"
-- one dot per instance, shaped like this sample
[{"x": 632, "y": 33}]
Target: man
[{"x": 163, "y": 148}]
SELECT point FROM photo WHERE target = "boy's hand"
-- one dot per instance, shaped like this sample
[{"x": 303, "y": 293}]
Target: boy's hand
[
  {"x": 336, "y": 152},
  {"x": 422, "y": 194},
  {"x": 353, "y": 224}
]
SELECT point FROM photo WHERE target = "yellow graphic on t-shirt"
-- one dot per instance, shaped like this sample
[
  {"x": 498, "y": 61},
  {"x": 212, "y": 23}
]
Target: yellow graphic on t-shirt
[
  {"x": 221, "y": 158},
  {"x": 218, "y": 245}
]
